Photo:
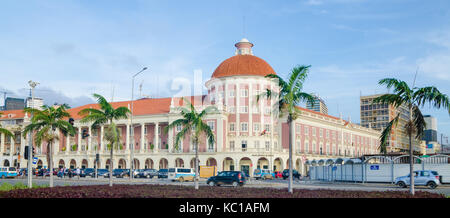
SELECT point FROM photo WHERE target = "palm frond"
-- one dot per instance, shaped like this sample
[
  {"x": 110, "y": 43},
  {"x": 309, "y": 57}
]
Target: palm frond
[
  {"x": 419, "y": 122},
  {"x": 393, "y": 99},
  {"x": 386, "y": 134}
]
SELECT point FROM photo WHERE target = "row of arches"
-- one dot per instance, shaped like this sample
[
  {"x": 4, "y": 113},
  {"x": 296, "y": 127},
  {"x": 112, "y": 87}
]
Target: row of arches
[{"x": 245, "y": 164}]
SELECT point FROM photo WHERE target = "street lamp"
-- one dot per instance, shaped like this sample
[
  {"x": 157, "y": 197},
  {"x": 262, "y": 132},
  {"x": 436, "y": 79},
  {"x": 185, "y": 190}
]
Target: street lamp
[
  {"x": 30, "y": 140},
  {"x": 132, "y": 127}
]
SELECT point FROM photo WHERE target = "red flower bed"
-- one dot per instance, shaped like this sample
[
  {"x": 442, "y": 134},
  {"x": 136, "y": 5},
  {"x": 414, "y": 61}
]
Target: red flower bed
[{"x": 171, "y": 191}]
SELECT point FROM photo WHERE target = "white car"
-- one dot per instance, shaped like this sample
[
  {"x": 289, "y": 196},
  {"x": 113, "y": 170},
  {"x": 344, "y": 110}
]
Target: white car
[{"x": 423, "y": 177}]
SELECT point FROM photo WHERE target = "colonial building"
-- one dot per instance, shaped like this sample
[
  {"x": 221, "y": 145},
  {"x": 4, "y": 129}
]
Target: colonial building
[{"x": 248, "y": 135}]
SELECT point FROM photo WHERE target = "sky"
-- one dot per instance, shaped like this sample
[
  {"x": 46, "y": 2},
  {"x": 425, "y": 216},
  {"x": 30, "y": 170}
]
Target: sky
[{"x": 76, "y": 48}]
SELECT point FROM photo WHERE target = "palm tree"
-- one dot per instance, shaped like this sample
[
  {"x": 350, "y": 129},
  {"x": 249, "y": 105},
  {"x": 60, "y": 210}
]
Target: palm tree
[
  {"x": 5, "y": 131},
  {"x": 287, "y": 97},
  {"x": 413, "y": 99},
  {"x": 106, "y": 115},
  {"x": 193, "y": 124},
  {"x": 48, "y": 123}
]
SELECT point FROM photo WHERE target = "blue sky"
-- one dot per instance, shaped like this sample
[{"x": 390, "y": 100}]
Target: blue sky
[{"x": 75, "y": 48}]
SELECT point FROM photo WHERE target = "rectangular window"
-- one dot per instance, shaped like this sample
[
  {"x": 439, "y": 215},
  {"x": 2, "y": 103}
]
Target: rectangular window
[
  {"x": 267, "y": 145},
  {"x": 231, "y": 145},
  {"x": 232, "y": 129},
  {"x": 297, "y": 128},
  {"x": 244, "y": 109},
  {"x": 267, "y": 127},
  {"x": 313, "y": 131},
  {"x": 244, "y": 127},
  {"x": 244, "y": 145},
  {"x": 244, "y": 92},
  {"x": 256, "y": 127},
  {"x": 306, "y": 147},
  {"x": 211, "y": 125},
  {"x": 257, "y": 145},
  {"x": 159, "y": 130},
  {"x": 178, "y": 129},
  {"x": 328, "y": 134},
  {"x": 145, "y": 131},
  {"x": 313, "y": 148},
  {"x": 267, "y": 110},
  {"x": 321, "y": 132},
  {"x": 306, "y": 130},
  {"x": 231, "y": 92}
]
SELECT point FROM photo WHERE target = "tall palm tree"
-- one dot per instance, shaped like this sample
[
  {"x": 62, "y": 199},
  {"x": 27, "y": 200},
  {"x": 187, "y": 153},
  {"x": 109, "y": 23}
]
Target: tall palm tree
[
  {"x": 5, "y": 131},
  {"x": 106, "y": 115},
  {"x": 48, "y": 123},
  {"x": 193, "y": 125},
  {"x": 413, "y": 98},
  {"x": 287, "y": 96}
]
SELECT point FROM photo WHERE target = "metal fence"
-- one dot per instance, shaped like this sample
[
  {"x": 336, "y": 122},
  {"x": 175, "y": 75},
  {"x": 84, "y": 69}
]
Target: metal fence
[{"x": 375, "y": 168}]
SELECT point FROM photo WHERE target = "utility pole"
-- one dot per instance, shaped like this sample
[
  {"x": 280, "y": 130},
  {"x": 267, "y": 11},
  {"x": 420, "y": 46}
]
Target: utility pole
[
  {"x": 30, "y": 140},
  {"x": 132, "y": 127}
]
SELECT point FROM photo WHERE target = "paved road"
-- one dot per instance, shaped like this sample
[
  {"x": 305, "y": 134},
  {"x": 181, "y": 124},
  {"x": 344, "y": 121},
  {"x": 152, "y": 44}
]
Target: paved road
[{"x": 277, "y": 183}]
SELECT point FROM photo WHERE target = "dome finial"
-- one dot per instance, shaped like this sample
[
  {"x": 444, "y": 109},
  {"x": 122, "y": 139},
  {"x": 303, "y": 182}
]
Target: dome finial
[{"x": 244, "y": 47}]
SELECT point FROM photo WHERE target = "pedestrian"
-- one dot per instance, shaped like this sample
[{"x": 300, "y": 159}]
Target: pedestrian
[{"x": 78, "y": 173}]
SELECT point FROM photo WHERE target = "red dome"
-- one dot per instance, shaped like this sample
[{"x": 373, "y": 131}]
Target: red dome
[{"x": 243, "y": 65}]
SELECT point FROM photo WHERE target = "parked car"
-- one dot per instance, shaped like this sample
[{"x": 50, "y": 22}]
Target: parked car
[
  {"x": 263, "y": 174},
  {"x": 422, "y": 178},
  {"x": 147, "y": 173},
  {"x": 87, "y": 172},
  {"x": 278, "y": 174},
  {"x": 233, "y": 178},
  {"x": 121, "y": 173},
  {"x": 295, "y": 174},
  {"x": 163, "y": 173},
  {"x": 100, "y": 172}
]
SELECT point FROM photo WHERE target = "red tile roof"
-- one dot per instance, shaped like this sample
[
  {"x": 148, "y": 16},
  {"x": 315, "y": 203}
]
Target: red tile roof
[
  {"x": 12, "y": 114},
  {"x": 243, "y": 65},
  {"x": 141, "y": 107}
]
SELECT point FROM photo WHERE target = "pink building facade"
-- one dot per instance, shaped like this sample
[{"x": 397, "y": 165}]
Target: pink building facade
[{"x": 249, "y": 134}]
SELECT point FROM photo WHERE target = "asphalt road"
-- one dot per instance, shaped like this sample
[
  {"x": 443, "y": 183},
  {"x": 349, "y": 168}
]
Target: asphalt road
[{"x": 276, "y": 183}]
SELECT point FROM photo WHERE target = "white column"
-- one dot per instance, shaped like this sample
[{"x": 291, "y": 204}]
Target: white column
[
  {"x": 11, "y": 147},
  {"x": 2, "y": 146},
  {"x": 220, "y": 130},
  {"x": 156, "y": 138},
  {"x": 250, "y": 110},
  {"x": 238, "y": 143},
  {"x": 102, "y": 144},
  {"x": 127, "y": 147},
  {"x": 142, "y": 137},
  {"x": 170, "y": 140},
  {"x": 67, "y": 143},
  {"x": 22, "y": 150},
  {"x": 79, "y": 139},
  {"x": 90, "y": 147}
]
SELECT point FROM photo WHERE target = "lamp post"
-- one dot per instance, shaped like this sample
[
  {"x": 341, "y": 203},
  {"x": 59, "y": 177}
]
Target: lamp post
[
  {"x": 30, "y": 140},
  {"x": 132, "y": 127}
]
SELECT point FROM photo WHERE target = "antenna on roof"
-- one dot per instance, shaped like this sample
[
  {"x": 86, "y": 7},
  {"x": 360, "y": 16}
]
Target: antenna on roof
[
  {"x": 140, "y": 89},
  {"x": 112, "y": 94},
  {"x": 415, "y": 76},
  {"x": 243, "y": 26}
]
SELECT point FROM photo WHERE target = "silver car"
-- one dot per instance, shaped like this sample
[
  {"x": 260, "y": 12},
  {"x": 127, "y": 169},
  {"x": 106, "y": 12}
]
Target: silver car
[{"x": 422, "y": 177}]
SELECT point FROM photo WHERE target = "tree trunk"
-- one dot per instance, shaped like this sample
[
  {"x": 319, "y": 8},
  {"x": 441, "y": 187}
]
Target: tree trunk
[
  {"x": 290, "y": 155},
  {"x": 50, "y": 152},
  {"x": 111, "y": 166},
  {"x": 196, "y": 164},
  {"x": 411, "y": 154}
]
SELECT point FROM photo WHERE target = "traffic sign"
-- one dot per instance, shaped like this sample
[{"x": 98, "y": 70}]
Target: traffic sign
[{"x": 374, "y": 167}]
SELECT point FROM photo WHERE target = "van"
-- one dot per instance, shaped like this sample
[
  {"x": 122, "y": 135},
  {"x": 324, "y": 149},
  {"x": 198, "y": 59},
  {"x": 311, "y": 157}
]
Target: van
[
  {"x": 8, "y": 172},
  {"x": 181, "y": 174}
]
